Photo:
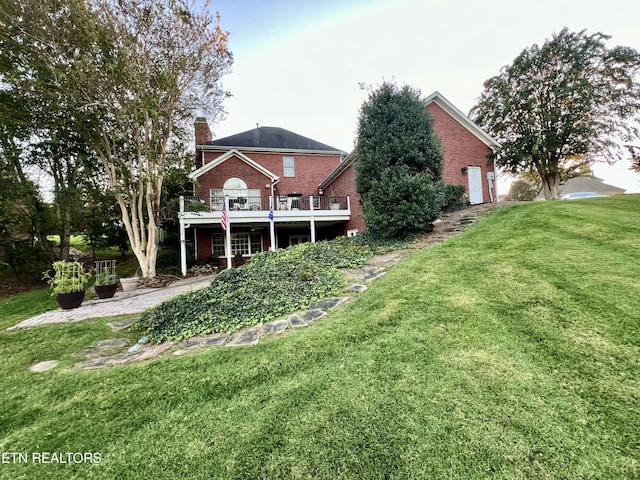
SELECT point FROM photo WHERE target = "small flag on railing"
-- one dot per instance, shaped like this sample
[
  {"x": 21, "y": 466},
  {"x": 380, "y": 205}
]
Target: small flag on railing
[
  {"x": 223, "y": 218},
  {"x": 271, "y": 211}
]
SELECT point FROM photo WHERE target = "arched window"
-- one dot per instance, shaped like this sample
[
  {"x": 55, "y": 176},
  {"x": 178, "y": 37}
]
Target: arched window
[
  {"x": 235, "y": 187},
  {"x": 240, "y": 197}
]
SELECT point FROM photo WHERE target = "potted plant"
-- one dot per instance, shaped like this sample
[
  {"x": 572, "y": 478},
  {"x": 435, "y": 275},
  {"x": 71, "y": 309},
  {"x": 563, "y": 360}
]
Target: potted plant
[
  {"x": 67, "y": 283},
  {"x": 106, "y": 283}
]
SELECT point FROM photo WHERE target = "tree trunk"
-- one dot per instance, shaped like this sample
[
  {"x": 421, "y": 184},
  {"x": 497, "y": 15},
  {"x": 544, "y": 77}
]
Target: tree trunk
[
  {"x": 144, "y": 247},
  {"x": 550, "y": 184}
]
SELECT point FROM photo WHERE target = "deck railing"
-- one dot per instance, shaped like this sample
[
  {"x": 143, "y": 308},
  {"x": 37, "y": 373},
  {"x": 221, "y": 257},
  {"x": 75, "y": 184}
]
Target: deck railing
[{"x": 280, "y": 202}]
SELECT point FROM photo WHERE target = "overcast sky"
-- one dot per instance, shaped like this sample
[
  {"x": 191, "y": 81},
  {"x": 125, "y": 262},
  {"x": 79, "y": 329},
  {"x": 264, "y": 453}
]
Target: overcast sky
[{"x": 298, "y": 63}]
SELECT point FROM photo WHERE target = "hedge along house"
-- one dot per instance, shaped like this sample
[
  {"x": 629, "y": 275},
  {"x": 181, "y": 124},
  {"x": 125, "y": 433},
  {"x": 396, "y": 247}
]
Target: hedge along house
[
  {"x": 267, "y": 179},
  {"x": 467, "y": 150}
]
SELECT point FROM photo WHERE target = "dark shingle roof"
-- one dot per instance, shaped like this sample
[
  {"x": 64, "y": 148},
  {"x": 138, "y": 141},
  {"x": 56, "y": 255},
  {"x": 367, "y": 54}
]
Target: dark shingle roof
[{"x": 271, "y": 137}]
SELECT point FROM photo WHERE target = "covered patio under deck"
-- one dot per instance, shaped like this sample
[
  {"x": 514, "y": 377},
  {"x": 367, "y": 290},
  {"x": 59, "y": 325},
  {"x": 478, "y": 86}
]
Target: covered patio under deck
[{"x": 257, "y": 224}]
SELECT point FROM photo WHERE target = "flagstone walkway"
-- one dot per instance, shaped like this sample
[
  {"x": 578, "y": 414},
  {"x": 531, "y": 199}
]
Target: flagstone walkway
[{"x": 123, "y": 303}]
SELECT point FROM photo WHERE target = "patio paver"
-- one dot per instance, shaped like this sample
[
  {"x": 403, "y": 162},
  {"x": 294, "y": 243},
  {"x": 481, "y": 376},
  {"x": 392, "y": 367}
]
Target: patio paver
[{"x": 124, "y": 303}]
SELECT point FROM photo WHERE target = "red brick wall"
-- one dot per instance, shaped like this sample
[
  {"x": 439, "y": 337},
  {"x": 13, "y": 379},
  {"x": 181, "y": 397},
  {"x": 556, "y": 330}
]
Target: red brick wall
[
  {"x": 343, "y": 186},
  {"x": 310, "y": 170},
  {"x": 461, "y": 149},
  {"x": 204, "y": 242},
  {"x": 232, "y": 167}
]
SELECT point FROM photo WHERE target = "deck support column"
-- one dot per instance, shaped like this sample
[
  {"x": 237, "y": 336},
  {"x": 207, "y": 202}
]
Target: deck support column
[
  {"x": 183, "y": 249},
  {"x": 272, "y": 228},
  {"x": 312, "y": 221}
]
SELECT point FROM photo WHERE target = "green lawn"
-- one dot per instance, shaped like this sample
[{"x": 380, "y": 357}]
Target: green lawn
[{"x": 509, "y": 352}]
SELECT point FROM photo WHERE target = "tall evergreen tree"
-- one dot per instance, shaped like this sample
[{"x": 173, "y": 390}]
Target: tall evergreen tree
[{"x": 400, "y": 161}]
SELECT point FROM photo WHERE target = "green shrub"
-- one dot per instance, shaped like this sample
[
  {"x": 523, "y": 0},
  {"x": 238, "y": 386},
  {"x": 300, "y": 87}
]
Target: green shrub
[
  {"x": 341, "y": 253},
  {"x": 26, "y": 261},
  {"x": 270, "y": 285},
  {"x": 379, "y": 246},
  {"x": 402, "y": 203},
  {"x": 452, "y": 197},
  {"x": 168, "y": 261},
  {"x": 522, "y": 191}
]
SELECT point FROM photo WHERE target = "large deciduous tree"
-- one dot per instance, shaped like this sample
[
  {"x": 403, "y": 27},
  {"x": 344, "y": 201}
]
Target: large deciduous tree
[
  {"x": 572, "y": 97},
  {"x": 139, "y": 70},
  {"x": 163, "y": 63},
  {"x": 40, "y": 119},
  {"x": 400, "y": 161}
]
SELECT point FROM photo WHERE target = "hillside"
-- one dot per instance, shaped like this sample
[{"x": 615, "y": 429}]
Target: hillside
[{"x": 510, "y": 351}]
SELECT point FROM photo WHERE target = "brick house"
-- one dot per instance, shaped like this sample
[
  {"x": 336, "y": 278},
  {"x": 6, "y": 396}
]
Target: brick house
[
  {"x": 466, "y": 149},
  {"x": 263, "y": 173},
  {"x": 282, "y": 188}
]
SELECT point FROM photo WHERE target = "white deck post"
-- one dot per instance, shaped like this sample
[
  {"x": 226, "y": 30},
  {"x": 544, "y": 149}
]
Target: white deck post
[
  {"x": 313, "y": 221},
  {"x": 183, "y": 241},
  {"x": 228, "y": 232},
  {"x": 272, "y": 228}
]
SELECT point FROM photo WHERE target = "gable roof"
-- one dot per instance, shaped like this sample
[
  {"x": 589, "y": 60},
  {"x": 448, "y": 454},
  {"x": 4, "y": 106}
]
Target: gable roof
[
  {"x": 232, "y": 153},
  {"x": 272, "y": 138},
  {"x": 344, "y": 164},
  {"x": 437, "y": 98}
]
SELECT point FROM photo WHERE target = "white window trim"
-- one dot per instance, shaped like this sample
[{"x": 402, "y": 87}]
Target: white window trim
[
  {"x": 247, "y": 235},
  {"x": 292, "y": 167}
]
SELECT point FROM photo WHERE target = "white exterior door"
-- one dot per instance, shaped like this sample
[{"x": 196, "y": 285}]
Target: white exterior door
[{"x": 475, "y": 185}]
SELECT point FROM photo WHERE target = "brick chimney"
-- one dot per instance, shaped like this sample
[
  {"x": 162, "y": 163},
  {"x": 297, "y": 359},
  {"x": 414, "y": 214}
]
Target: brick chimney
[{"x": 203, "y": 135}]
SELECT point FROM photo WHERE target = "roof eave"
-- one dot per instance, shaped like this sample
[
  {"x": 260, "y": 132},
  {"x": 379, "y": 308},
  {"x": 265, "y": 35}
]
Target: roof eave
[
  {"x": 437, "y": 98},
  {"x": 221, "y": 148},
  {"x": 339, "y": 170}
]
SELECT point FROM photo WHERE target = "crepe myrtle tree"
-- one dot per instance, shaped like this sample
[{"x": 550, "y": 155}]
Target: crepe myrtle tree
[
  {"x": 572, "y": 97},
  {"x": 162, "y": 62},
  {"x": 137, "y": 71}
]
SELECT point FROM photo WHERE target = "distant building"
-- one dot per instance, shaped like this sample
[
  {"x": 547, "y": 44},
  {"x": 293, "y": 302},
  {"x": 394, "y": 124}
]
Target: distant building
[{"x": 585, "y": 184}]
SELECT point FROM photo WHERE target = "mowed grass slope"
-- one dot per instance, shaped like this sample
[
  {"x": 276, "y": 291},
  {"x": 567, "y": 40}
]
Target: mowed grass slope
[{"x": 509, "y": 352}]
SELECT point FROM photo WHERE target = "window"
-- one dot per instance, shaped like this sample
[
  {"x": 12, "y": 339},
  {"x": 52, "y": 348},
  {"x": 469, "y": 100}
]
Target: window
[
  {"x": 289, "y": 170},
  {"x": 243, "y": 243},
  {"x": 240, "y": 197},
  {"x": 217, "y": 247},
  {"x": 235, "y": 187},
  {"x": 297, "y": 239}
]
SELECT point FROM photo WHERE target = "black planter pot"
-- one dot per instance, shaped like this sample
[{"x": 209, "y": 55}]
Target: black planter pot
[
  {"x": 70, "y": 300},
  {"x": 106, "y": 291}
]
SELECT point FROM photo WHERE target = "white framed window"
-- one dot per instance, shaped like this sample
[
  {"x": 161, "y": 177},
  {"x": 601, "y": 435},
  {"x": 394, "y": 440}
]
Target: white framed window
[
  {"x": 288, "y": 166},
  {"x": 216, "y": 195},
  {"x": 243, "y": 243},
  {"x": 297, "y": 239}
]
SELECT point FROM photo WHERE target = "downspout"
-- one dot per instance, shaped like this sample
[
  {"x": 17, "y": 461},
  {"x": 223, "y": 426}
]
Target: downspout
[
  {"x": 273, "y": 184},
  {"x": 490, "y": 182}
]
